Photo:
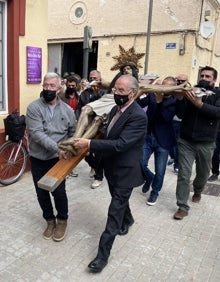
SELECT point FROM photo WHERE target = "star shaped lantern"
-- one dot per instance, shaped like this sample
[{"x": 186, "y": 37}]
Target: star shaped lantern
[{"x": 128, "y": 56}]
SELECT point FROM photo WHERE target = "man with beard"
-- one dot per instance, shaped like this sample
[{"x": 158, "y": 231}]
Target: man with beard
[
  {"x": 71, "y": 96},
  {"x": 49, "y": 120},
  {"x": 125, "y": 68},
  {"x": 200, "y": 120}
]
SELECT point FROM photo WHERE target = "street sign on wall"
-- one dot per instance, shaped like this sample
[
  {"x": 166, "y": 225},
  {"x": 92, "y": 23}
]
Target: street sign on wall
[{"x": 171, "y": 45}]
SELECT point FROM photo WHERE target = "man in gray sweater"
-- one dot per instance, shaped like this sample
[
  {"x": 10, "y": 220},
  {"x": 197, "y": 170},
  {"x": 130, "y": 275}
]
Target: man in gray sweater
[{"x": 49, "y": 121}]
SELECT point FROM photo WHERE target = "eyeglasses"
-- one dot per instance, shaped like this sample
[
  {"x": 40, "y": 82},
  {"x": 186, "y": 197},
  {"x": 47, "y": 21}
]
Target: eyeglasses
[
  {"x": 121, "y": 91},
  {"x": 49, "y": 85}
]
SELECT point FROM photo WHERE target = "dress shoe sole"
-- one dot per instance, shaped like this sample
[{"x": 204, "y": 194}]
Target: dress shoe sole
[
  {"x": 58, "y": 239},
  {"x": 95, "y": 270},
  {"x": 178, "y": 217},
  {"x": 48, "y": 238}
]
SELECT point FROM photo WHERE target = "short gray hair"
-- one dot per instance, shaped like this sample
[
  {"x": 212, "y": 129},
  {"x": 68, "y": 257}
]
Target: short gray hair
[
  {"x": 132, "y": 81},
  {"x": 53, "y": 75}
]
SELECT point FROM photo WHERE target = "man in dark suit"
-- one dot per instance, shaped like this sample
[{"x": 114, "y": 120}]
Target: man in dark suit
[{"x": 121, "y": 152}]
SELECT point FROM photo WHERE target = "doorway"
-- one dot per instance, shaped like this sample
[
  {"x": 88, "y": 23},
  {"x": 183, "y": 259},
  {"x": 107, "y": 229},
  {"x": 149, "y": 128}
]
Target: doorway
[{"x": 72, "y": 59}]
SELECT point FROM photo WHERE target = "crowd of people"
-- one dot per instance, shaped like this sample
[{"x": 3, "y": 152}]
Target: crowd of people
[{"x": 183, "y": 126}]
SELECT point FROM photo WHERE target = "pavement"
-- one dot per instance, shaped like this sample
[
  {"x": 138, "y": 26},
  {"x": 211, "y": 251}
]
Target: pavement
[{"x": 157, "y": 247}]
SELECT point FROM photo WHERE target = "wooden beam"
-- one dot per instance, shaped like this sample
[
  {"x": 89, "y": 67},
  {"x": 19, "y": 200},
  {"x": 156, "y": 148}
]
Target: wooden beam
[{"x": 52, "y": 179}]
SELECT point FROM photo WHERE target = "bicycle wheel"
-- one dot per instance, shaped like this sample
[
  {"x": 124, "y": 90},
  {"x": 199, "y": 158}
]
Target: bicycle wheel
[{"x": 12, "y": 162}]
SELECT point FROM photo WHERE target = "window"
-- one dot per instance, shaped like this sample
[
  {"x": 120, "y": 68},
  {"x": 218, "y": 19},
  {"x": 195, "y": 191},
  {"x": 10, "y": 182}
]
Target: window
[{"x": 3, "y": 62}]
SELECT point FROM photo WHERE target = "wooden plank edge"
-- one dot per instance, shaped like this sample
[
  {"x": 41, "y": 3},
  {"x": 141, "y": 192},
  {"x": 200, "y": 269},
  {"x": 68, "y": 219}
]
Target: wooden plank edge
[{"x": 50, "y": 182}]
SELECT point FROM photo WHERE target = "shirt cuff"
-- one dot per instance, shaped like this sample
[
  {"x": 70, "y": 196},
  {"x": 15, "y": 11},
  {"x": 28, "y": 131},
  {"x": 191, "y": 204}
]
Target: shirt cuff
[{"x": 89, "y": 143}]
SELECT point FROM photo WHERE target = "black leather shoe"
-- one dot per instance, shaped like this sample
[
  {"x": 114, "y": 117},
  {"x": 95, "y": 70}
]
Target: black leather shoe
[
  {"x": 97, "y": 264},
  {"x": 146, "y": 186},
  {"x": 125, "y": 227}
]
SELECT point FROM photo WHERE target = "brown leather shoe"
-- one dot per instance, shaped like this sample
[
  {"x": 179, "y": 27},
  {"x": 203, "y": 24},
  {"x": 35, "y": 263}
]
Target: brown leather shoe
[
  {"x": 60, "y": 230},
  {"x": 196, "y": 197},
  {"x": 48, "y": 233},
  {"x": 180, "y": 214}
]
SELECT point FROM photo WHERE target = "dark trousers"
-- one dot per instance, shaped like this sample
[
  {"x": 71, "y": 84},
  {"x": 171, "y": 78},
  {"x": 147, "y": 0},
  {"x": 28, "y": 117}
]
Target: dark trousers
[
  {"x": 95, "y": 162},
  {"x": 215, "y": 157},
  {"x": 174, "y": 150},
  {"x": 118, "y": 213},
  {"x": 38, "y": 169}
]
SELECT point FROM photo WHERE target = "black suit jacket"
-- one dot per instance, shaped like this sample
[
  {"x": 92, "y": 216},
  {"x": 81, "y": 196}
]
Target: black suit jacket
[
  {"x": 121, "y": 150},
  {"x": 86, "y": 97}
]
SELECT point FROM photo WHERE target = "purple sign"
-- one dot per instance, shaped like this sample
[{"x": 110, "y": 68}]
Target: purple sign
[{"x": 34, "y": 64}]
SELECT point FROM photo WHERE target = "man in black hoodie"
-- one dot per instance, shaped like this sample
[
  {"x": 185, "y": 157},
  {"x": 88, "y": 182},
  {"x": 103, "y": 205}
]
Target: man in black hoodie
[{"x": 199, "y": 126}]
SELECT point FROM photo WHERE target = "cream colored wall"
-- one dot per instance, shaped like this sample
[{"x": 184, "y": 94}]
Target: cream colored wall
[
  {"x": 109, "y": 47},
  {"x": 120, "y": 17},
  {"x": 36, "y": 28},
  {"x": 125, "y": 22},
  {"x": 164, "y": 62}
]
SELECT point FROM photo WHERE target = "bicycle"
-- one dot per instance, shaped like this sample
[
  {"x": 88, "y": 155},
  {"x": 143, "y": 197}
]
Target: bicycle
[{"x": 13, "y": 159}]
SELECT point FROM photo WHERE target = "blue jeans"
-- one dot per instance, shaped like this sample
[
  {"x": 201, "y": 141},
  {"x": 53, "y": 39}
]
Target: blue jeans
[{"x": 160, "y": 161}]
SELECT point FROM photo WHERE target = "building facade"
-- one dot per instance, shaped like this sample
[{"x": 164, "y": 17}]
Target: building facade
[
  {"x": 174, "y": 40},
  {"x": 23, "y": 54},
  {"x": 37, "y": 36}
]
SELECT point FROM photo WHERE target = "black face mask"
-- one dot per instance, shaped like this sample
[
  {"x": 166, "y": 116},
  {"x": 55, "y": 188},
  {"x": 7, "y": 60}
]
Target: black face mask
[
  {"x": 70, "y": 90},
  {"x": 48, "y": 95},
  {"x": 205, "y": 84},
  {"x": 120, "y": 99}
]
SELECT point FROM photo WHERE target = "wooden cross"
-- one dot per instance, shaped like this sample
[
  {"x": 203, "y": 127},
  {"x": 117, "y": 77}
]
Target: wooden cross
[{"x": 52, "y": 179}]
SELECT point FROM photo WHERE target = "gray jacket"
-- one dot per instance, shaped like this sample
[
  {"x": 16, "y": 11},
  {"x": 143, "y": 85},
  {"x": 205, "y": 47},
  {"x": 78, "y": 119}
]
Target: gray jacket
[{"x": 45, "y": 131}]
